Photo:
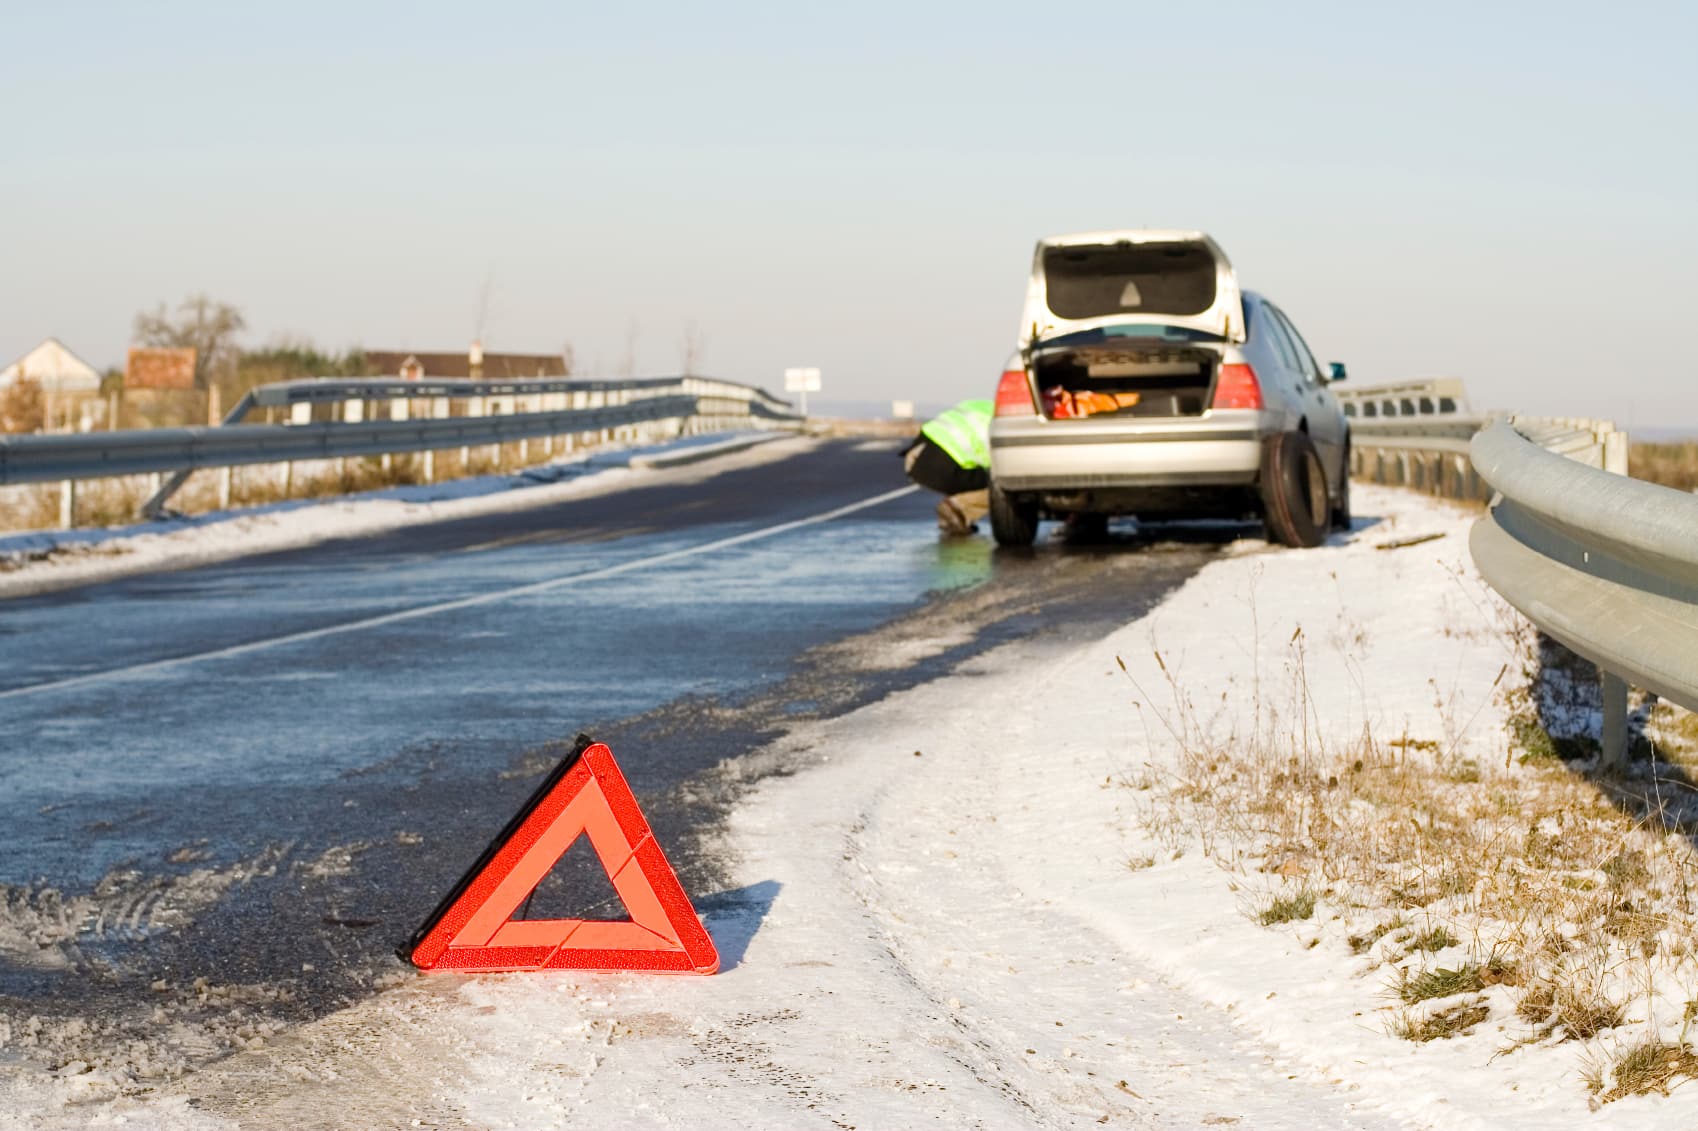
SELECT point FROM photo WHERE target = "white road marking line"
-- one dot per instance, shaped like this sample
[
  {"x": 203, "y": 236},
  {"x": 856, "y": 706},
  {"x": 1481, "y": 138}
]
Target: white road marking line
[{"x": 458, "y": 603}]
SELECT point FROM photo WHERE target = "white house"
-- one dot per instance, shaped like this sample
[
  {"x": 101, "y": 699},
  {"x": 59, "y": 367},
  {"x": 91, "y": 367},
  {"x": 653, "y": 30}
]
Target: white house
[{"x": 58, "y": 369}]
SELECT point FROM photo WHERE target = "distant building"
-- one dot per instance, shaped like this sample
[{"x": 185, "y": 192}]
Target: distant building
[
  {"x": 474, "y": 364},
  {"x": 60, "y": 372}
]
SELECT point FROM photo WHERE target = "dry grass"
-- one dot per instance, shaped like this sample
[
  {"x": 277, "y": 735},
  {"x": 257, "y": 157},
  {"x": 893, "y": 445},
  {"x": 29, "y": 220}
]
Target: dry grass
[
  {"x": 1541, "y": 891},
  {"x": 1646, "y": 1065},
  {"x": 1287, "y": 908},
  {"x": 1672, "y": 465},
  {"x": 1443, "y": 1024}
]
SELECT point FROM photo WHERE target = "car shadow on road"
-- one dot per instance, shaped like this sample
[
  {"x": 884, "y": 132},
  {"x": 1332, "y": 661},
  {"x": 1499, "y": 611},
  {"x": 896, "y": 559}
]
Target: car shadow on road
[
  {"x": 1130, "y": 535},
  {"x": 734, "y": 917}
]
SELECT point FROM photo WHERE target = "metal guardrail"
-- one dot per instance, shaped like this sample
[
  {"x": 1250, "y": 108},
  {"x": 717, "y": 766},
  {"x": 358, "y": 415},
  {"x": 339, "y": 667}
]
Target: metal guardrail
[
  {"x": 1604, "y": 564},
  {"x": 516, "y": 410},
  {"x": 1425, "y": 443},
  {"x": 1437, "y": 395}
]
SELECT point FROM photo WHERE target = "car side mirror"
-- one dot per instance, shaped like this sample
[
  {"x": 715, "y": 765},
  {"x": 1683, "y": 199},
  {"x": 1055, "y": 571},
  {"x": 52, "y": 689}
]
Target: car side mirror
[{"x": 1335, "y": 371}]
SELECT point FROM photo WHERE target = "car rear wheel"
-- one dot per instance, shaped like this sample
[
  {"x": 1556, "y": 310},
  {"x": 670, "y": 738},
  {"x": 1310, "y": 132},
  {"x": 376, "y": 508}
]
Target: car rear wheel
[
  {"x": 1014, "y": 521},
  {"x": 1294, "y": 491},
  {"x": 1341, "y": 509}
]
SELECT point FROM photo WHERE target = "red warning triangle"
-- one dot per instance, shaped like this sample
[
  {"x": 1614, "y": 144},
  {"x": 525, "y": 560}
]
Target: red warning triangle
[{"x": 473, "y": 929}]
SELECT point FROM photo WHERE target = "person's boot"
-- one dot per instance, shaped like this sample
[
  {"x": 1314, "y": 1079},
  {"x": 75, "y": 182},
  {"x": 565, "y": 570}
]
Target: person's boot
[{"x": 951, "y": 520}]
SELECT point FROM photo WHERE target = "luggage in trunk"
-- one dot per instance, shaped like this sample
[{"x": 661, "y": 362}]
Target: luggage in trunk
[{"x": 1124, "y": 378}]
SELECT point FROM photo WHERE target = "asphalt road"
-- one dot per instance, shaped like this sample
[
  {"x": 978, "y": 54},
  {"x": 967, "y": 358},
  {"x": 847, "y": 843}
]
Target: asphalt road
[{"x": 263, "y": 774}]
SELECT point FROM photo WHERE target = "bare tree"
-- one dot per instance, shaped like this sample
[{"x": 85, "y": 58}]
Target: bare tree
[
  {"x": 207, "y": 327},
  {"x": 23, "y": 406},
  {"x": 568, "y": 358},
  {"x": 692, "y": 344}
]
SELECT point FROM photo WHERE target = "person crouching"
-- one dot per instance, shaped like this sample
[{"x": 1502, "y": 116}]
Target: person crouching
[{"x": 951, "y": 456}]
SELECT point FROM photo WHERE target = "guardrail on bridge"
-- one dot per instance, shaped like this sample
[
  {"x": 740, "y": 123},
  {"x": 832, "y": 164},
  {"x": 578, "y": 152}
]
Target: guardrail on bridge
[
  {"x": 494, "y": 412},
  {"x": 1417, "y": 434}
]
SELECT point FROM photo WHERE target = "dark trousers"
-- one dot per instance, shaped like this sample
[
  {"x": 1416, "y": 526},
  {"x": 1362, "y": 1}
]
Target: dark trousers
[{"x": 931, "y": 467}]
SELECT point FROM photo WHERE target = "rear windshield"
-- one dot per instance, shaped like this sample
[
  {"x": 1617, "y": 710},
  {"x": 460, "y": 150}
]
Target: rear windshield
[{"x": 1096, "y": 280}]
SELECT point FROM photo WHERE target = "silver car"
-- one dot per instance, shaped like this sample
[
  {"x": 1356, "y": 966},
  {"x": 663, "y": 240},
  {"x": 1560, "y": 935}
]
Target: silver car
[{"x": 1147, "y": 383}]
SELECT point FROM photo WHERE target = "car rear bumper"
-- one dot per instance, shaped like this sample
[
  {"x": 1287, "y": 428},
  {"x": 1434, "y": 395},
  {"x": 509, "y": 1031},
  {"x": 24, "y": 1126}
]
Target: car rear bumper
[{"x": 1218, "y": 449}]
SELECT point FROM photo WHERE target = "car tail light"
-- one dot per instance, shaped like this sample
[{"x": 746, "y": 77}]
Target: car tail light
[
  {"x": 1237, "y": 387},
  {"x": 1014, "y": 395}
]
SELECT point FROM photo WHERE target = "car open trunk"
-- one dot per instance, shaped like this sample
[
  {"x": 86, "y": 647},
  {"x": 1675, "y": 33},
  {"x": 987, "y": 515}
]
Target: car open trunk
[
  {"x": 1095, "y": 280},
  {"x": 1124, "y": 377}
]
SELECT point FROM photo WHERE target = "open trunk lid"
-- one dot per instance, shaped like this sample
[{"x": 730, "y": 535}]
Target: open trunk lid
[{"x": 1094, "y": 280}]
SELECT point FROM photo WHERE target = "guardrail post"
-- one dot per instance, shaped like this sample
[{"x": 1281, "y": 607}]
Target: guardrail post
[
  {"x": 163, "y": 489},
  {"x": 226, "y": 483},
  {"x": 1615, "y": 453},
  {"x": 67, "y": 504},
  {"x": 353, "y": 412},
  {"x": 1613, "y": 737},
  {"x": 299, "y": 413},
  {"x": 435, "y": 409},
  {"x": 474, "y": 407},
  {"x": 495, "y": 448}
]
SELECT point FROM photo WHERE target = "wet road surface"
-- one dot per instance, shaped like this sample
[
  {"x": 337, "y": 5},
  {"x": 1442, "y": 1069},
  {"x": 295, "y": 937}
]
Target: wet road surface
[{"x": 263, "y": 774}]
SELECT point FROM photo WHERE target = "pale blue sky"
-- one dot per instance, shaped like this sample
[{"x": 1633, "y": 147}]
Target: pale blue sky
[{"x": 1506, "y": 194}]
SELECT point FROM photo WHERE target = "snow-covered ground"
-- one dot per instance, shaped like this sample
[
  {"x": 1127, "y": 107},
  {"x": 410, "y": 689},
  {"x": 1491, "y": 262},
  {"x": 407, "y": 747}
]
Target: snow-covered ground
[
  {"x": 39, "y": 561},
  {"x": 956, "y": 914}
]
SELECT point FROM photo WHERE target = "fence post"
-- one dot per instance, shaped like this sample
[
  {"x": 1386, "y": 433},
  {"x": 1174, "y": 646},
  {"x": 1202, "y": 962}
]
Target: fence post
[
  {"x": 67, "y": 504},
  {"x": 1613, "y": 736}
]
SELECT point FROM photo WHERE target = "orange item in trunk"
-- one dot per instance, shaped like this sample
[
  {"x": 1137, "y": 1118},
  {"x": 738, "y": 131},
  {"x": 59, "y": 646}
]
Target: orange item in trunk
[{"x": 1063, "y": 404}]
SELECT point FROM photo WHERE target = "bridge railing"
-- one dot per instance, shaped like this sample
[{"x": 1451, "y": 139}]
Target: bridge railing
[
  {"x": 1417, "y": 434},
  {"x": 419, "y": 419}
]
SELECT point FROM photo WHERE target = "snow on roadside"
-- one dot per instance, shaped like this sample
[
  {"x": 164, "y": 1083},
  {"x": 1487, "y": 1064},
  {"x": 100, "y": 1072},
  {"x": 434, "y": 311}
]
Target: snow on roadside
[
  {"x": 953, "y": 913},
  {"x": 958, "y": 932},
  {"x": 42, "y": 561}
]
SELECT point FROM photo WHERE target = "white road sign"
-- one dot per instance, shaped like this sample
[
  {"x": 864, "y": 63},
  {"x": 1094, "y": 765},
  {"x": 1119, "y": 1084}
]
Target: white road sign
[{"x": 801, "y": 380}]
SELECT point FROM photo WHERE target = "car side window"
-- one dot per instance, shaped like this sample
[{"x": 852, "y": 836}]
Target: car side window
[
  {"x": 1269, "y": 320},
  {"x": 1306, "y": 360}
]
